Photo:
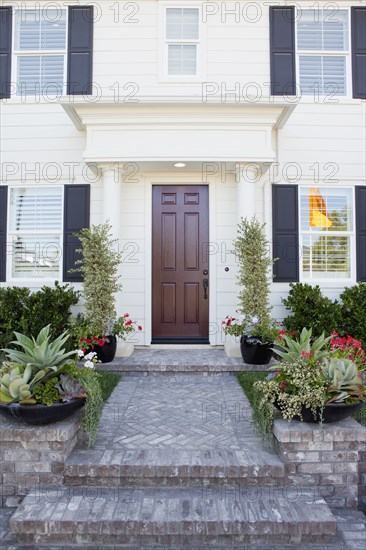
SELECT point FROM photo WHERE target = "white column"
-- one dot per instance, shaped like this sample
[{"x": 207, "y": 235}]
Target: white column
[
  {"x": 247, "y": 176},
  {"x": 112, "y": 199}
]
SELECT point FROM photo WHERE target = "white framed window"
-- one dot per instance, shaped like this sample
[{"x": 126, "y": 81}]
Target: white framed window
[
  {"x": 327, "y": 233},
  {"x": 35, "y": 232},
  {"x": 323, "y": 50},
  {"x": 40, "y": 51},
  {"x": 182, "y": 41}
]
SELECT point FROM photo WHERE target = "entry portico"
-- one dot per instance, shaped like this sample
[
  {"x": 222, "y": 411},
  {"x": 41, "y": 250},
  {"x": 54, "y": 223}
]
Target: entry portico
[{"x": 227, "y": 147}]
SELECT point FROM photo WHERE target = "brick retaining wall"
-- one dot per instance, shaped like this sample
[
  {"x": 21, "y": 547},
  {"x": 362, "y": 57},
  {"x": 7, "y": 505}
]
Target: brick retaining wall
[
  {"x": 330, "y": 458},
  {"x": 33, "y": 457}
]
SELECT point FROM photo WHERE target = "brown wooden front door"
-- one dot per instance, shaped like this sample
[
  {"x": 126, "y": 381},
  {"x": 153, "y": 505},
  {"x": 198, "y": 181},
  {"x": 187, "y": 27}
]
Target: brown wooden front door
[{"x": 180, "y": 239}]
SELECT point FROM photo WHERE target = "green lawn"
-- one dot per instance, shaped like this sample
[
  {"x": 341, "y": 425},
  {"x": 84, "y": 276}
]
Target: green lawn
[{"x": 108, "y": 381}]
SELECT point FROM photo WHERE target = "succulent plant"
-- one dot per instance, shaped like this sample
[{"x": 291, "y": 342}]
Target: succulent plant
[
  {"x": 16, "y": 385},
  {"x": 345, "y": 380},
  {"x": 40, "y": 353}
]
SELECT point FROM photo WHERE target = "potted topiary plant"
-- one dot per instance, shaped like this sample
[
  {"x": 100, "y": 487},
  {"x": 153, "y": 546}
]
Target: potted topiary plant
[
  {"x": 99, "y": 266},
  {"x": 253, "y": 322}
]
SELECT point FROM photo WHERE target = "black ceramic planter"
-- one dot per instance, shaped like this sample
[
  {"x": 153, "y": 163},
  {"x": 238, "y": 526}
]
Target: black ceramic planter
[
  {"x": 254, "y": 351},
  {"x": 106, "y": 353},
  {"x": 42, "y": 414},
  {"x": 331, "y": 413}
]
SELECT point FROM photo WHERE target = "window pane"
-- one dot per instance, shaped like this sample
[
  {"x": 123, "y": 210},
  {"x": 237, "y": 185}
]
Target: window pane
[
  {"x": 37, "y": 72},
  {"x": 322, "y": 75},
  {"x": 36, "y": 256},
  {"x": 40, "y": 29},
  {"x": 182, "y": 59},
  {"x": 326, "y": 209},
  {"x": 326, "y": 257},
  {"x": 36, "y": 209},
  {"x": 323, "y": 30},
  {"x": 182, "y": 24}
]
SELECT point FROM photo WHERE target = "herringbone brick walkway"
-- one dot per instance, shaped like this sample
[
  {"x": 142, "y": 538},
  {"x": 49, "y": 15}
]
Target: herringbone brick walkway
[{"x": 178, "y": 412}]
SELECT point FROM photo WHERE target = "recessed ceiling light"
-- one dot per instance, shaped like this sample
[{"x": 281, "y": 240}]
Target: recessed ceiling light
[{"x": 179, "y": 165}]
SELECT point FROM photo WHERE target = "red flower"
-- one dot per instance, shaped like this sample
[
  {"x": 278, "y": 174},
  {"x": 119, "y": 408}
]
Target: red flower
[
  {"x": 88, "y": 341},
  {"x": 94, "y": 338},
  {"x": 81, "y": 339},
  {"x": 83, "y": 350},
  {"x": 126, "y": 315},
  {"x": 139, "y": 327},
  {"x": 305, "y": 354},
  {"x": 101, "y": 342}
]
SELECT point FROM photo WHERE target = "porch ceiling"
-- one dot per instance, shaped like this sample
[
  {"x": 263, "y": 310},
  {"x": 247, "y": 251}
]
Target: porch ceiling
[{"x": 167, "y": 130}]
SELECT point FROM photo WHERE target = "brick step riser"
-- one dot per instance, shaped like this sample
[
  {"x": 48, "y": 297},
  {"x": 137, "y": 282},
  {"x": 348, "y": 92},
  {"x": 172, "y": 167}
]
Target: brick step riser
[
  {"x": 121, "y": 540},
  {"x": 189, "y": 482}
]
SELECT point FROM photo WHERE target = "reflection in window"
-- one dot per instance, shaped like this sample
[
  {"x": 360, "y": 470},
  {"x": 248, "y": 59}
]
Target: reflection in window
[{"x": 326, "y": 230}]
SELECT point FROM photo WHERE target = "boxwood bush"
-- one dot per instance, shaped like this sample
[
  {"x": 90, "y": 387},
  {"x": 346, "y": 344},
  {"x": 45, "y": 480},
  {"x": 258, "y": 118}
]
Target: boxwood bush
[
  {"x": 309, "y": 308},
  {"x": 28, "y": 313}
]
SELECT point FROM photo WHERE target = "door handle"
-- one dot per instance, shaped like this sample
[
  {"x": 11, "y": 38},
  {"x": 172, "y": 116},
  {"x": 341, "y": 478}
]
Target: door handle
[{"x": 205, "y": 287}]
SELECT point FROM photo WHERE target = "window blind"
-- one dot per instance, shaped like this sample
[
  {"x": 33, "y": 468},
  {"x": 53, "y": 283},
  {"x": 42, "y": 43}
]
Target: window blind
[
  {"x": 182, "y": 24},
  {"x": 37, "y": 30},
  {"x": 182, "y": 59},
  {"x": 35, "y": 225},
  {"x": 323, "y": 30}
]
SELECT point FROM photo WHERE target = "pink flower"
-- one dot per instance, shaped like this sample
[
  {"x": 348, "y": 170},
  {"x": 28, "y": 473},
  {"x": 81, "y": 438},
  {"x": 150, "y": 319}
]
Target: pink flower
[
  {"x": 101, "y": 342},
  {"x": 305, "y": 354}
]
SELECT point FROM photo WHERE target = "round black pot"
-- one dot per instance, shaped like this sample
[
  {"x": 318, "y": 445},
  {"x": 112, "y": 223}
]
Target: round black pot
[
  {"x": 106, "y": 353},
  {"x": 42, "y": 414},
  {"x": 254, "y": 352},
  {"x": 331, "y": 413}
]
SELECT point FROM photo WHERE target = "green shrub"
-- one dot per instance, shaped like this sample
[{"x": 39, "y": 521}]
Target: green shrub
[
  {"x": 14, "y": 314},
  {"x": 311, "y": 309},
  {"x": 28, "y": 313},
  {"x": 51, "y": 306},
  {"x": 354, "y": 312}
]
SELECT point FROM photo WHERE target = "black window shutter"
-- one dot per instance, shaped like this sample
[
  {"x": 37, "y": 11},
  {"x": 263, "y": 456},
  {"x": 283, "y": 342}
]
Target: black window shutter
[
  {"x": 361, "y": 233},
  {"x": 358, "y": 28},
  {"x": 80, "y": 51},
  {"x": 282, "y": 45},
  {"x": 285, "y": 218},
  {"x": 76, "y": 217},
  {"x": 6, "y": 16},
  {"x": 3, "y": 221}
]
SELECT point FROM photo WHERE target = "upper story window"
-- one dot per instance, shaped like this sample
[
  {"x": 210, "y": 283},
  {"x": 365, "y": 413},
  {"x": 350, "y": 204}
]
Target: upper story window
[
  {"x": 35, "y": 232},
  {"x": 182, "y": 36},
  {"x": 40, "y": 51},
  {"x": 323, "y": 52},
  {"x": 326, "y": 232}
]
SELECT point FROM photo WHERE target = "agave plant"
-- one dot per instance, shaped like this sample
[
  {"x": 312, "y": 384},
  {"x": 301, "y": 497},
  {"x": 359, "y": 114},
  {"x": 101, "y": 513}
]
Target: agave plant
[
  {"x": 39, "y": 352},
  {"x": 345, "y": 381},
  {"x": 293, "y": 349},
  {"x": 17, "y": 384}
]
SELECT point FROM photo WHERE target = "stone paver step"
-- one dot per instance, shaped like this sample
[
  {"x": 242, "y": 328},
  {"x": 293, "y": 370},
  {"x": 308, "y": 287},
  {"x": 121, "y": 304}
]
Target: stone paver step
[
  {"x": 193, "y": 361},
  {"x": 172, "y": 467},
  {"x": 170, "y": 516}
]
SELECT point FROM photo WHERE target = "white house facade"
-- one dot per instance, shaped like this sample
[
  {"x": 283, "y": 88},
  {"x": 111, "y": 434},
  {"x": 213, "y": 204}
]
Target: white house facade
[{"x": 172, "y": 120}]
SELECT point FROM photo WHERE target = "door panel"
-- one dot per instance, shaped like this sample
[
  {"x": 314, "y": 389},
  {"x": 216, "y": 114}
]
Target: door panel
[{"x": 180, "y": 232}]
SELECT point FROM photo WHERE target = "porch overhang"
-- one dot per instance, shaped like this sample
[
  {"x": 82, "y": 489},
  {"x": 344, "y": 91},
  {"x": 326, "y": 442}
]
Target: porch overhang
[{"x": 167, "y": 130}]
